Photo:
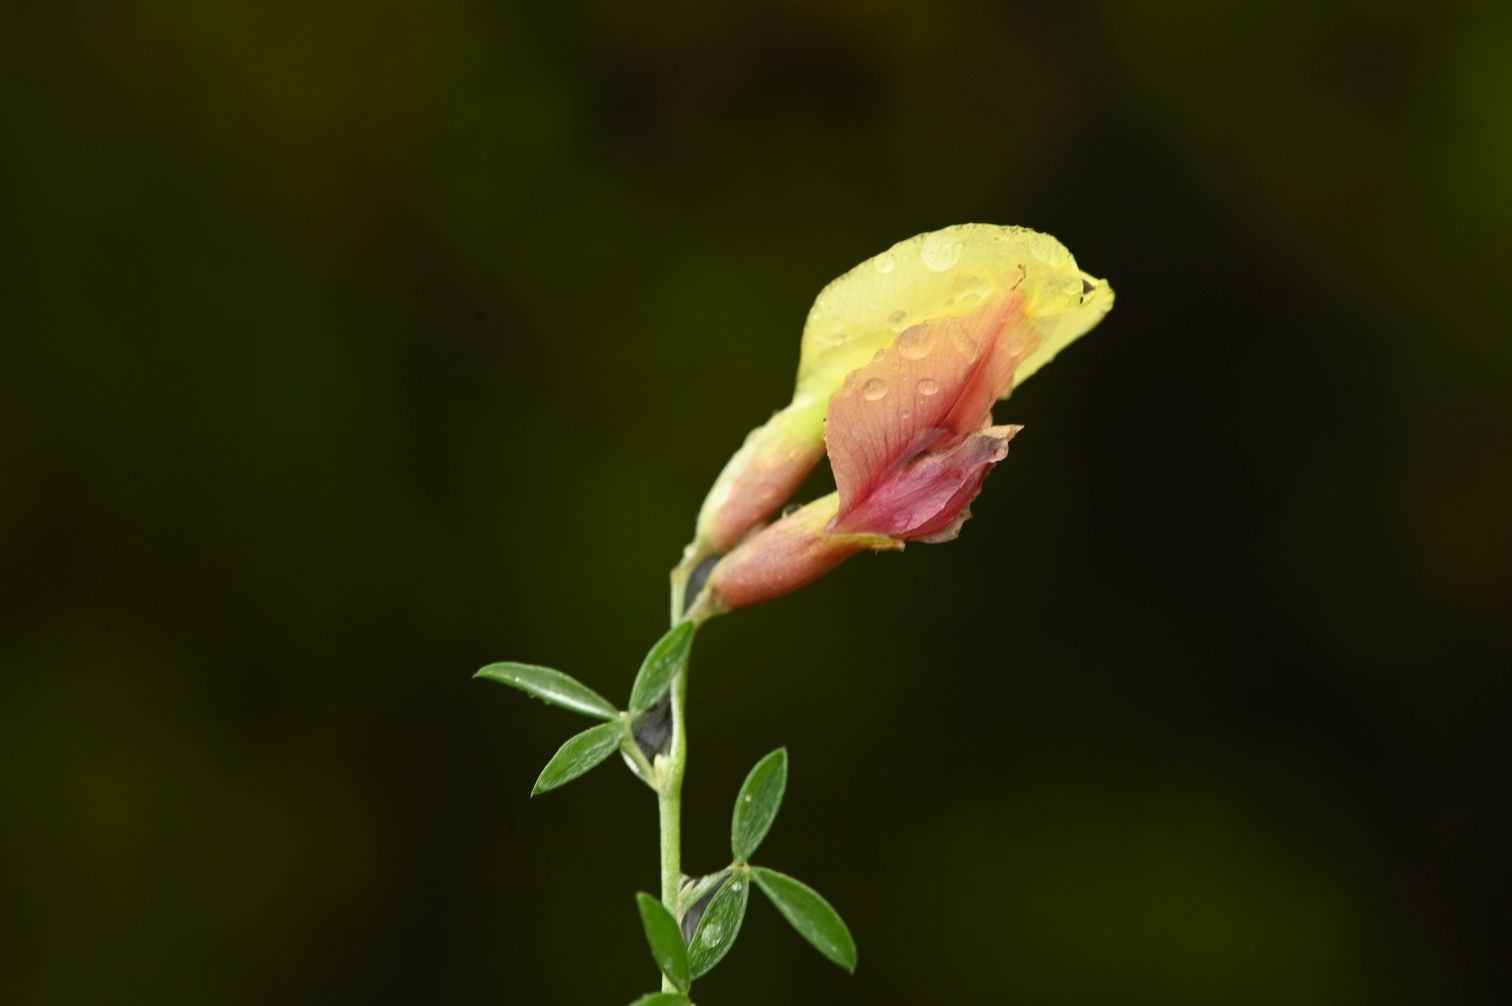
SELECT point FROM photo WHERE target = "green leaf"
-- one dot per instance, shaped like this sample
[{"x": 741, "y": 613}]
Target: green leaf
[
  {"x": 662, "y": 999},
  {"x": 580, "y": 753},
  {"x": 810, "y": 914},
  {"x": 551, "y": 686},
  {"x": 695, "y": 889},
  {"x": 667, "y": 657},
  {"x": 756, "y": 806},
  {"x": 720, "y": 925},
  {"x": 665, "y": 937}
]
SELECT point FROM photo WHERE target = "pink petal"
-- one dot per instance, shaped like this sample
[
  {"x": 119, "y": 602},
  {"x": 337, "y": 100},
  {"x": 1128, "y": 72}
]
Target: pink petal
[
  {"x": 937, "y": 382},
  {"x": 786, "y": 555},
  {"x": 751, "y": 491},
  {"x": 926, "y": 499}
]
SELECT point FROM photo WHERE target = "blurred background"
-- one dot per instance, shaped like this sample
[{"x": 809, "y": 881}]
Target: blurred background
[{"x": 350, "y": 347}]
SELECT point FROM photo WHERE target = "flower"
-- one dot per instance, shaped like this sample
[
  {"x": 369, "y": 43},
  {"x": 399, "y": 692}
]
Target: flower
[{"x": 902, "y": 360}]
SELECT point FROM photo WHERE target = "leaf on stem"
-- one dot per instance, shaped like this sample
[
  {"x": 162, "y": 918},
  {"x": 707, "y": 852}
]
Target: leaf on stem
[
  {"x": 580, "y": 753},
  {"x": 665, "y": 938},
  {"x": 756, "y": 805},
  {"x": 550, "y": 686},
  {"x": 667, "y": 657},
  {"x": 696, "y": 894},
  {"x": 810, "y": 914},
  {"x": 662, "y": 999},
  {"x": 719, "y": 926}
]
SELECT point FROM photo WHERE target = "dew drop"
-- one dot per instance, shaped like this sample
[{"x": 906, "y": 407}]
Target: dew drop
[
  {"x": 896, "y": 317},
  {"x": 941, "y": 251},
  {"x": 916, "y": 342},
  {"x": 885, "y": 263},
  {"x": 748, "y": 798},
  {"x": 928, "y": 386},
  {"x": 787, "y": 511},
  {"x": 736, "y": 886},
  {"x": 972, "y": 289},
  {"x": 874, "y": 389},
  {"x": 712, "y": 935}
]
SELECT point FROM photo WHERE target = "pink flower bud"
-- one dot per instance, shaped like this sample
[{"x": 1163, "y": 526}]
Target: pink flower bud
[
  {"x": 796, "y": 550},
  {"x": 910, "y": 447},
  {"x": 903, "y": 358},
  {"x": 762, "y": 475}
]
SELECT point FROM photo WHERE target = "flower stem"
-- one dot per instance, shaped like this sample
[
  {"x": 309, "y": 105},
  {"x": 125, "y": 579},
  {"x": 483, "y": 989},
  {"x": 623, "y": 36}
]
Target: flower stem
[{"x": 669, "y": 804}]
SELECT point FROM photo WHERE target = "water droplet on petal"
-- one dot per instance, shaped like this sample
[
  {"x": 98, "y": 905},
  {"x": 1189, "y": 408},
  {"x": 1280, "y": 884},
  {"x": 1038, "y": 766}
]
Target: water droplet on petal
[
  {"x": 972, "y": 289},
  {"x": 885, "y": 263},
  {"x": 928, "y": 386},
  {"x": 896, "y": 317},
  {"x": 788, "y": 511},
  {"x": 915, "y": 343},
  {"x": 748, "y": 798},
  {"x": 874, "y": 389},
  {"x": 736, "y": 886},
  {"x": 941, "y": 251}
]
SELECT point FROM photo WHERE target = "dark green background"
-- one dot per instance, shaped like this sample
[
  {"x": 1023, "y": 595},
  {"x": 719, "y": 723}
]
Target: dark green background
[{"x": 348, "y": 347}]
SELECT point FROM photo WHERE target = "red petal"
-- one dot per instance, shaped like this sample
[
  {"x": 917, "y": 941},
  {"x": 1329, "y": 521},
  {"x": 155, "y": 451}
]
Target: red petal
[
  {"x": 937, "y": 382},
  {"x": 926, "y": 499}
]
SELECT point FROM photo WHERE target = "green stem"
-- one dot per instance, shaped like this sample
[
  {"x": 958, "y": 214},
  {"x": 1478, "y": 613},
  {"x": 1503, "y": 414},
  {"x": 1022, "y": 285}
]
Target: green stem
[{"x": 669, "y": 804}]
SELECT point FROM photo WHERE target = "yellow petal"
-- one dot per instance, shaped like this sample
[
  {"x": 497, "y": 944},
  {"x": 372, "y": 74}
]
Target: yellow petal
[{"x": 947, "y": 273}]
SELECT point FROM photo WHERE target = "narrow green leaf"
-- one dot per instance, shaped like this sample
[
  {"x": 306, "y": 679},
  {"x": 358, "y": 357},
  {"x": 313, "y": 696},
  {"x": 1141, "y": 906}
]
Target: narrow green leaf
[
  {"x": 719, "y": 926},
  {"x": 662, "y": 999},
  {"x": 667, "y": 657},
  {"x": 580, "y": 753},
  {"x": 756, "y": 806},
  {"x": 810, "y": 914},
  {"x": 550, "y": 686},
  {"x": 665, "y": 937}
]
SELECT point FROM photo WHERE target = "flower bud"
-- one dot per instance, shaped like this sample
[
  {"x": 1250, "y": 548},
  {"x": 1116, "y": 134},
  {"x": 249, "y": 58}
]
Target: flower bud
[
  {"x": 902, "y": 359},
  {"x": 780, "y": 558}
]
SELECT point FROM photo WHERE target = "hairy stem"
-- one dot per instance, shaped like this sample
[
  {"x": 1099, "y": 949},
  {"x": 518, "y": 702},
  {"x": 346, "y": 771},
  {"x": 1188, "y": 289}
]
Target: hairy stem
[{"x": 669, "y": 803}]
